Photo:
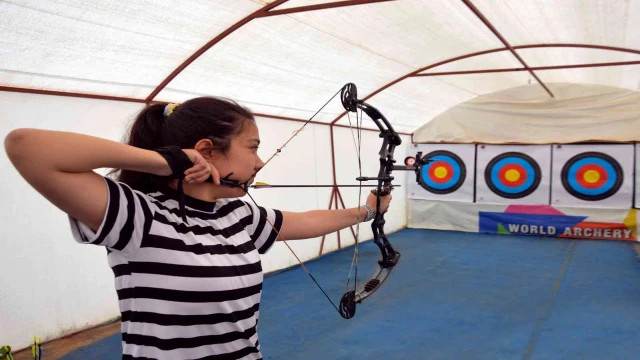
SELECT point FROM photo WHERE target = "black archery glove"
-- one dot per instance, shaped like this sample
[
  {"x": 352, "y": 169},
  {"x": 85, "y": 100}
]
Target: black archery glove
[{"x": 179, "y": 162}]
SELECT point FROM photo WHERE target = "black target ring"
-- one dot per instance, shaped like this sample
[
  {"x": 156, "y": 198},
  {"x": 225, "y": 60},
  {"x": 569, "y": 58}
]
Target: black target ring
[
  {"x": 443, "y": 172},
  {"x": 496, "y": 175},
  {"x": 610, "y": 176}
]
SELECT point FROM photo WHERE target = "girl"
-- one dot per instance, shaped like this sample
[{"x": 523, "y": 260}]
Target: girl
[{"x": 186, "y": 257}]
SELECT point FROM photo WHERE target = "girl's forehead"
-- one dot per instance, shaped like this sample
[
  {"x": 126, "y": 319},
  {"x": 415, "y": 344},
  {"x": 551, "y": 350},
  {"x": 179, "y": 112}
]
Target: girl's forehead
[
  {"x": 250, "y": 131},
  {"x": 249, "y": 134}
]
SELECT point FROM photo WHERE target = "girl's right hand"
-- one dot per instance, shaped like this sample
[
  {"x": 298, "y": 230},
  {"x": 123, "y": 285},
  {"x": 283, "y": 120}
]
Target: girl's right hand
[{"x": 201, "y": 169}]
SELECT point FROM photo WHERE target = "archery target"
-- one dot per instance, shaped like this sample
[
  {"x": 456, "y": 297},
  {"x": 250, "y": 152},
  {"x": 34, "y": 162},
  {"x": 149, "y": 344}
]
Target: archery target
[
  {"x": 593, "y": 175},
  {"x": 513, "y": 174},
  {"x": 448, "y": 176},
  {"x": 444, "y": 174}
]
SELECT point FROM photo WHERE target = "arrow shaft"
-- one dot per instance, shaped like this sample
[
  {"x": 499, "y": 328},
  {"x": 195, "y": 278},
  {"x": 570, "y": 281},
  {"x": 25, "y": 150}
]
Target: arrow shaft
[{"x": 308, "y": 186}]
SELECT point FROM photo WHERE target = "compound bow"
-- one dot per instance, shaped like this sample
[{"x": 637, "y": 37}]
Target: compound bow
[{"x": 390, "y": 256}]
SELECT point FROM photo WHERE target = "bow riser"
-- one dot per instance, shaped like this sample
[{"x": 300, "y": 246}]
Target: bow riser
[{"x": 389, "y": 255}]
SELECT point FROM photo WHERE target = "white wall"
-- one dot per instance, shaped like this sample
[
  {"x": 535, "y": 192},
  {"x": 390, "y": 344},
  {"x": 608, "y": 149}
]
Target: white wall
[{"x": 52, "y": 286}]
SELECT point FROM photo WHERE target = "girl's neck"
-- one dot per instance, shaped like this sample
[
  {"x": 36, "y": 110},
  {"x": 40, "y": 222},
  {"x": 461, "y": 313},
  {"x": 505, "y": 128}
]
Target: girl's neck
[{"x": 200, "y": 191}]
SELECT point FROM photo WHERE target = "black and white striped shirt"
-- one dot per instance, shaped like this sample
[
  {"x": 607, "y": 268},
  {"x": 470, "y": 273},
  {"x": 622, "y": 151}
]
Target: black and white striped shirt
[{"x": 186, "y": 290}]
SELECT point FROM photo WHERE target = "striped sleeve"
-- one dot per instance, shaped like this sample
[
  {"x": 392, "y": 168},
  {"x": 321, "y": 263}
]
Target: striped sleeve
[
  {"x": 128, "y": 218},
  {"x": 260, "y": 230}
]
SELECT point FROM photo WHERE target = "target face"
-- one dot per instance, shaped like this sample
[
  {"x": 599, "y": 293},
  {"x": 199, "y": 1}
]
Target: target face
[
  {"x": 512, "y": 175},
  {"x": 444, "y": 174},
  {"x": 592, "y": 176}
]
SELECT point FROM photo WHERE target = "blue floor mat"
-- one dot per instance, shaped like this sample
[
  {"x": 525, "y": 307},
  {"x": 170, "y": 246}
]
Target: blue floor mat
[{"x": 456, "y": 296}]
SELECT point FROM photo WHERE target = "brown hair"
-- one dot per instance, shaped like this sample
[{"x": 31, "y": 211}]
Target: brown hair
[{"x": 216, "y": 119}]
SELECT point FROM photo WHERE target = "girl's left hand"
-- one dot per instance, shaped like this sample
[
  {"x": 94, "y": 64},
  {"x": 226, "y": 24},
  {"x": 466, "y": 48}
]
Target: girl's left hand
[
  {"x": 201, "y": 169},
  {"x": 384, "y": 202}
]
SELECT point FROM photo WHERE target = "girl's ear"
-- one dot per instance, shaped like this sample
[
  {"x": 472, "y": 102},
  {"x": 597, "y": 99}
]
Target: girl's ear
[{"x": 205, "y": 147}]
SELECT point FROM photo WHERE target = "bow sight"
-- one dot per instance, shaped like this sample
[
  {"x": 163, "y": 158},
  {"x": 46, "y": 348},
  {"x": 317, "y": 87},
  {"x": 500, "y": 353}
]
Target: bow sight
[{"x": 414, "y": 163}]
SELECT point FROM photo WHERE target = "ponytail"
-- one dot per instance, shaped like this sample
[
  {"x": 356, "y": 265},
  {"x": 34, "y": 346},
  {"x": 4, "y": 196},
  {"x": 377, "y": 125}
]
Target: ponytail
[{"x": 145, "y": 133}]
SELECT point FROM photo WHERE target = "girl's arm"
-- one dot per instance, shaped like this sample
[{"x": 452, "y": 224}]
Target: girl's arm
[
  {"x": 311, "y": 224},
  {"x": 59, "y": 165}
]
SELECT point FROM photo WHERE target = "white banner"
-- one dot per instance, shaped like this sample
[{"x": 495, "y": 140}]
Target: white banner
[
  {"x": 513, "y": 174},
  {"x": 537, "y": 220},
  {"x": 599, "y": 176},
  {"x": 448, "y": 177}
]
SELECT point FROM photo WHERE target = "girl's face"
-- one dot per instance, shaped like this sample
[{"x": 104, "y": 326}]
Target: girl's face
[{"x": 242, "y": 158}]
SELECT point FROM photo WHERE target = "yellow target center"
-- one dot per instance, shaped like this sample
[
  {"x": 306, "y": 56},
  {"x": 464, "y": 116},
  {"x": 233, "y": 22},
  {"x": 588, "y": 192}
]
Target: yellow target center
[
  {"x": 591, "y": 176},
  {"x": 441, "y": 172},
  {"x": 512, "y": 175}
]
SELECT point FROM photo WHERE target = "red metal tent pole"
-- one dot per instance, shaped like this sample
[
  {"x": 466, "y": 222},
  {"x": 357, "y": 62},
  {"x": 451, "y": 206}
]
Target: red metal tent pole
[
  {"x": 319, "y": 7},
  {"x": 538, "y": 68},
  {"x": 495, "y": 31}
]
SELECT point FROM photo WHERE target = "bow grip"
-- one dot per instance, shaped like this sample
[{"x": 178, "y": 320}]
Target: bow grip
[{"x": 384, "y": 192}]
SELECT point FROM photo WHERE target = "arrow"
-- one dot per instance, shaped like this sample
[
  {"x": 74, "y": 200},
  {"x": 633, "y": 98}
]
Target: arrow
[{"x": 261, "y": 185}]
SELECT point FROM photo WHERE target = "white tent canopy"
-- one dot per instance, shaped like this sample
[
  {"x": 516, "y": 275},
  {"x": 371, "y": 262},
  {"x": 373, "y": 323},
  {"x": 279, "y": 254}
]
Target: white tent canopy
[
  {"x": 527, "y": 115},
  {"x": 286, "y": 58}
]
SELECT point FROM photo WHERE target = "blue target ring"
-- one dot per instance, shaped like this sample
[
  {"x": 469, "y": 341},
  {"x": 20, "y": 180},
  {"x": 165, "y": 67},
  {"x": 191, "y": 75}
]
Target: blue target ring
[
  {"x": 592, "y": 176},
  {"x": 512, "y": 175},
  {"x": 444, "y": 173}
]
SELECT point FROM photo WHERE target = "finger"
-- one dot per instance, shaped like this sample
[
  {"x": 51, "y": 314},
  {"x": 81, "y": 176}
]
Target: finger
[
  {"x": 196, "y": 168},
  {"x": 190, "y": 171},
  {"x": 202, "y": 175},
  {"x": 198, "y": 176}
]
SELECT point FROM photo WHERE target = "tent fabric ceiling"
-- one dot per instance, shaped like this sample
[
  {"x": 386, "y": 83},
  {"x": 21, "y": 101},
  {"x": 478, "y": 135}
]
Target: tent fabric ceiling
[
  {"x": 290, "y": 64},
  {"x": 527, "y": 115}
]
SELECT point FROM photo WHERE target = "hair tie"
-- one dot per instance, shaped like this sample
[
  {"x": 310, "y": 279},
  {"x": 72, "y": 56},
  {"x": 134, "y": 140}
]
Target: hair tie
[{"x": 168, "y": 110}]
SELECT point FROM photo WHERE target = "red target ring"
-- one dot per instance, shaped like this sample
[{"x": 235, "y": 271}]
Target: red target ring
[
  {"x": 507, "y": 171},
  {"x": 591, "y": 170},
  {"x": 436, "y": 172}
]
